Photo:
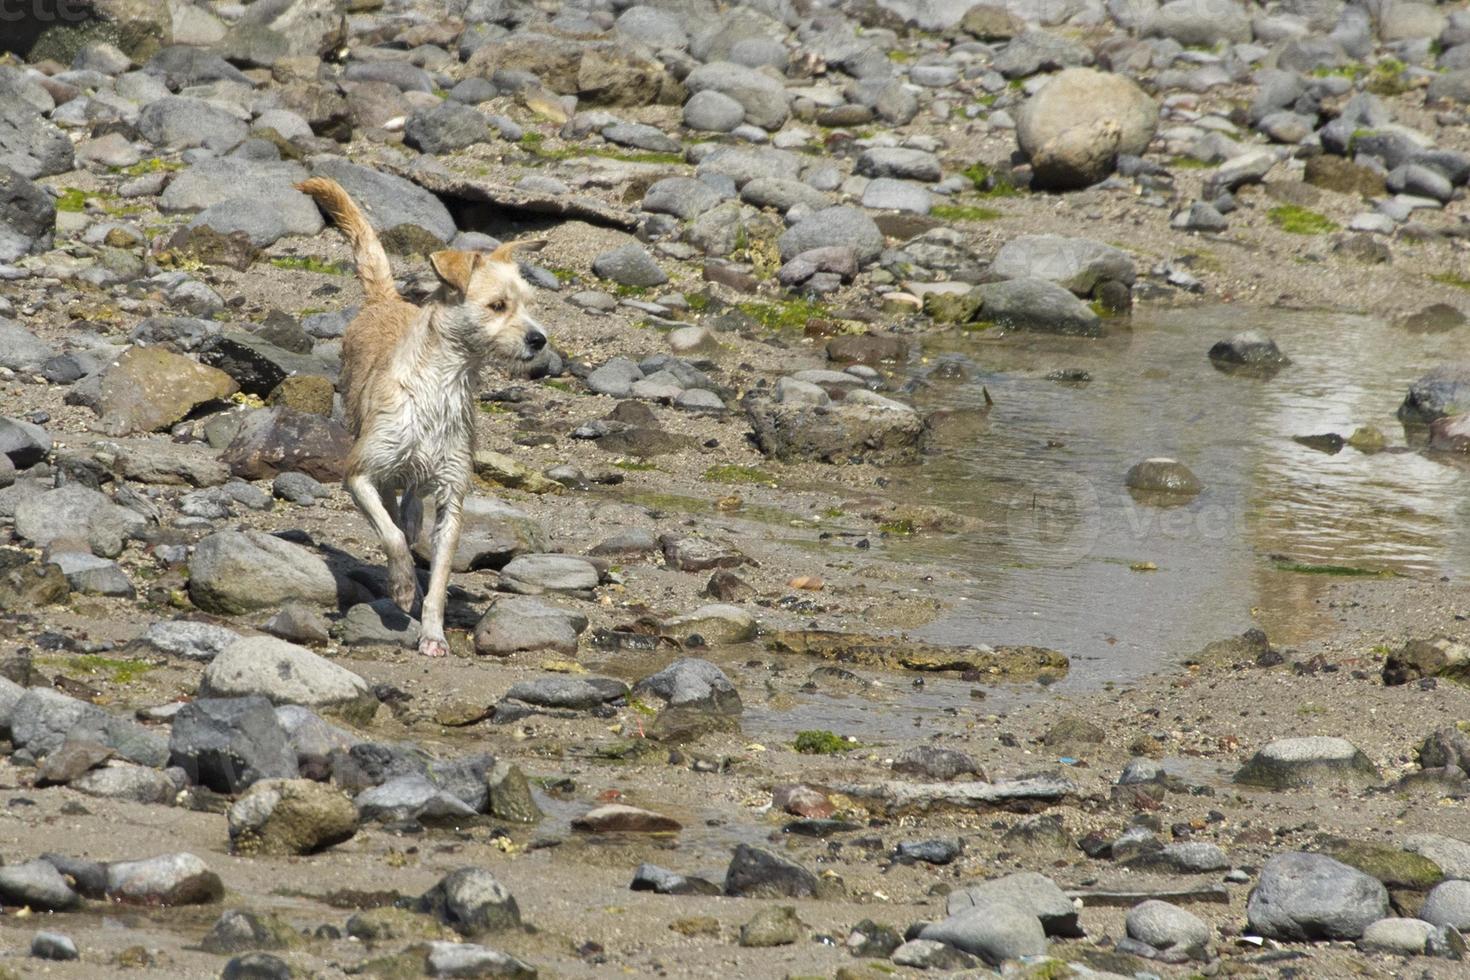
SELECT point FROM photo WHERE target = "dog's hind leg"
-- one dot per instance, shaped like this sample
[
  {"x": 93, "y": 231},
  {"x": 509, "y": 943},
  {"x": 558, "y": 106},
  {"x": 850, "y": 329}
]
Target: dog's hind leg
[
  {"x": 448, "y": 514},
  {"x": 411, "y": 512},
  {"x": 402, "y": 583}
]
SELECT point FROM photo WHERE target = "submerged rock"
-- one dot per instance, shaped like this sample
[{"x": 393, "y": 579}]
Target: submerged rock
[
  {"x": 1165, "y": 476},
  {"x": 1443, "y": 391},
  {"x": 901, "y": 653},
  {"x": 1248, "y": 353}
]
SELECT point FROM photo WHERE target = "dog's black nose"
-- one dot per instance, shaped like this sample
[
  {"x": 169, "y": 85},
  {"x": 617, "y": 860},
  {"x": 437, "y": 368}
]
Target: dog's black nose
[{"x": 535, "y": 340}]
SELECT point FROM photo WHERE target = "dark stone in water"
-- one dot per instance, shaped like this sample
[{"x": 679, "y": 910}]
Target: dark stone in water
[
  {"x": 817, "y": 827},
  {"x": 1248, "y": 353},
  {"x": 1443, "y": 391},
  {"x": 1329, "y": 442}
]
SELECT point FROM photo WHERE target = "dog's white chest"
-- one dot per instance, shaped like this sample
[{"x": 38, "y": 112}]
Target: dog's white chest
[{"x": 429, "y": 434}]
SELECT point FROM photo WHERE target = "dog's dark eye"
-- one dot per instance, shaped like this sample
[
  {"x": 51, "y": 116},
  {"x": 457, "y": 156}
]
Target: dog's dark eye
[{"x": 498, "y": 306}]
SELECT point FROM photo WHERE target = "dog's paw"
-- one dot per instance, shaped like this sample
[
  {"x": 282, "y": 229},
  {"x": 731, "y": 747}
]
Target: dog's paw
[
  {"x": 403, "y": 588},
  {"x": 432, "y": 646}
]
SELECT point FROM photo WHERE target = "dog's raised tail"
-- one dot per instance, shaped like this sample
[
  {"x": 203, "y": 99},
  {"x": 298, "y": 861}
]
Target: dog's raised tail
[{"x": 367, "y": 250}]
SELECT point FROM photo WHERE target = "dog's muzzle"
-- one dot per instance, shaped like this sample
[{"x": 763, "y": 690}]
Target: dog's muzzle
[{"x": 535, "y": 340}]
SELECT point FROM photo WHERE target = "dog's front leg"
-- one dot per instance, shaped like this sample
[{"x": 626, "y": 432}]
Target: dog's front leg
[
  {"x": 448, "y": 515},
  {"x": 402, "y": 583}
]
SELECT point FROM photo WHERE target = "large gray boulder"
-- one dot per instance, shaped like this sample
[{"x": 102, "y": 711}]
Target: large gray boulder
[
  {"x": 228, "y": 744},
  {"x": 42, "y": 720},
  {"x": 1073, "y": 129},
  {"x": 212, "y": 183},
  {"x": 1201, "y": 22},
  {"x": 30, "y": 144},
  {"x": 1318, "y": 760},
  {"x": 1309, "y": 897},
  {"x": 178, "y": 122},
  {"x": 234, "y": 572},
  {"x": 1076, "y": 264},
  {"x": 77, "y": 513},
  {"x": 763, "y": 98},
  {"x": 20, "y": 349},
  {"x": 1026, "y": 890},
  {"x": 994, "y": 931},
  {"x": 1037, "y": 305},
  {"x": 285, "y": 673},
  {"x": 847, "y": 227},
  {"x": 1443, "y": 391},
  {"x": 27, "y": 216},
  {"x": 882, "y": 432},
  {"x": 390, "y": 202}
]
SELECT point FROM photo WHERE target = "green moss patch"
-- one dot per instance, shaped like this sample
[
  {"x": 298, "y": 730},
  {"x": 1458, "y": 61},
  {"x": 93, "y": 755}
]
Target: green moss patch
[
  {"x": 153, "y": 165},
  {"x": 72, "y": 200},
  {"x": 116, "y": 670},
  {"x": 1451, "y": 279},
  {"x": 1300, "y": 221},
  {"x": 988, "y": 181},
  {"x": 784, "y": 315},
  {"x": 964, "y": 212},
  {"x": 609, "y": 153},
  {"x": 1345, "y": 571},
  {"x": 309, "y": 263},
  {"x": 730, "y": 473},
  {"x": 821, "y": 742}
]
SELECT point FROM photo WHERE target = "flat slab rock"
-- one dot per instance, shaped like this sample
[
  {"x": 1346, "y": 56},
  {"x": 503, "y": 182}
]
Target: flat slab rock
[
  {"x": 899, "y": 653},
  {"x": 570, "y": 207},
  {"x": 619, "y": 818},
  {"x": 898, "y": 797},
  {"x": 1129, "y": 897}
]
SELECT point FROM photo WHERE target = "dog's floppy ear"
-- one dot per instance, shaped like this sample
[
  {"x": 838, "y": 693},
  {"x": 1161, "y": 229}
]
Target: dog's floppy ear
[
  {"x": 455, "y": 267},
  {"x": 507, "y": 251}
]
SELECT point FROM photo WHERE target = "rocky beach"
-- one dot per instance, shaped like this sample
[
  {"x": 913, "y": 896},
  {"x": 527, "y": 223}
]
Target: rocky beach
[{"x": 996, "y": 500}]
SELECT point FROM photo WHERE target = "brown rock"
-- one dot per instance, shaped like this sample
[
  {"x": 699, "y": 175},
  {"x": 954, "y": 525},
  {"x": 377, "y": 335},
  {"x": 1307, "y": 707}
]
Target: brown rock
[
  {"x": 205, "y": 244},
  {"x": 309, "y": 393},
  {"x": 71, "y": 761},
  {"x": 1450, "y": 434},
  {"x": 598, "y": 72},
  {"x": 27, "y": 584},
  {"x": 1342, "y": 176},
  {"x": 867, "y": 349},
  {"x": 281, "y": 439},
  {"x": 987, "y": 23},
  {"x": 726, "y": 586},
  {"x": 803, "y": 801},
  {"x": 618, "y": 818},
  {"x": 149, "y": 388}
]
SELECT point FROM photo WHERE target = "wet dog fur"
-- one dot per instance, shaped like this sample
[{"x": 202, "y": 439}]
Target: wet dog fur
[{"x": 410, "y": 377}]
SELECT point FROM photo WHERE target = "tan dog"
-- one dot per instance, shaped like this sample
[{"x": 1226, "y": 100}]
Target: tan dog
[{"x": 410, "y": 376}]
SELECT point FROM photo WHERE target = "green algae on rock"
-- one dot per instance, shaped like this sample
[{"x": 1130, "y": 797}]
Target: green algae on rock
[{"x": 900, "y": 653}]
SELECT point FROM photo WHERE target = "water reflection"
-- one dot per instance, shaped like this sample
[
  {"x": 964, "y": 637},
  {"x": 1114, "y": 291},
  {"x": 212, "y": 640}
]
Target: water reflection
[{"x": 1058, "y": 561}]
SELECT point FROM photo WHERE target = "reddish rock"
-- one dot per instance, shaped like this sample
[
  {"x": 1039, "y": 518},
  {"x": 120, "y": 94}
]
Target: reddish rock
[
  {"x": 803, "y": 801},
  {"x": 1450, "y": 434},
  {"x": 281, "y": 440},
  {"x": 618, "y": 818}
]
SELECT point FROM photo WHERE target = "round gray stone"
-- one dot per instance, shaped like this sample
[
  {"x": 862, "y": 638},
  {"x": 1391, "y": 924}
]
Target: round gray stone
[{"x": 1309, "y": 897}]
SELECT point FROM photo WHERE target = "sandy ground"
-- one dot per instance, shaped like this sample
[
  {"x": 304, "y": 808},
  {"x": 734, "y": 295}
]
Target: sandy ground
[{"x": 1207, "y": 720}]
